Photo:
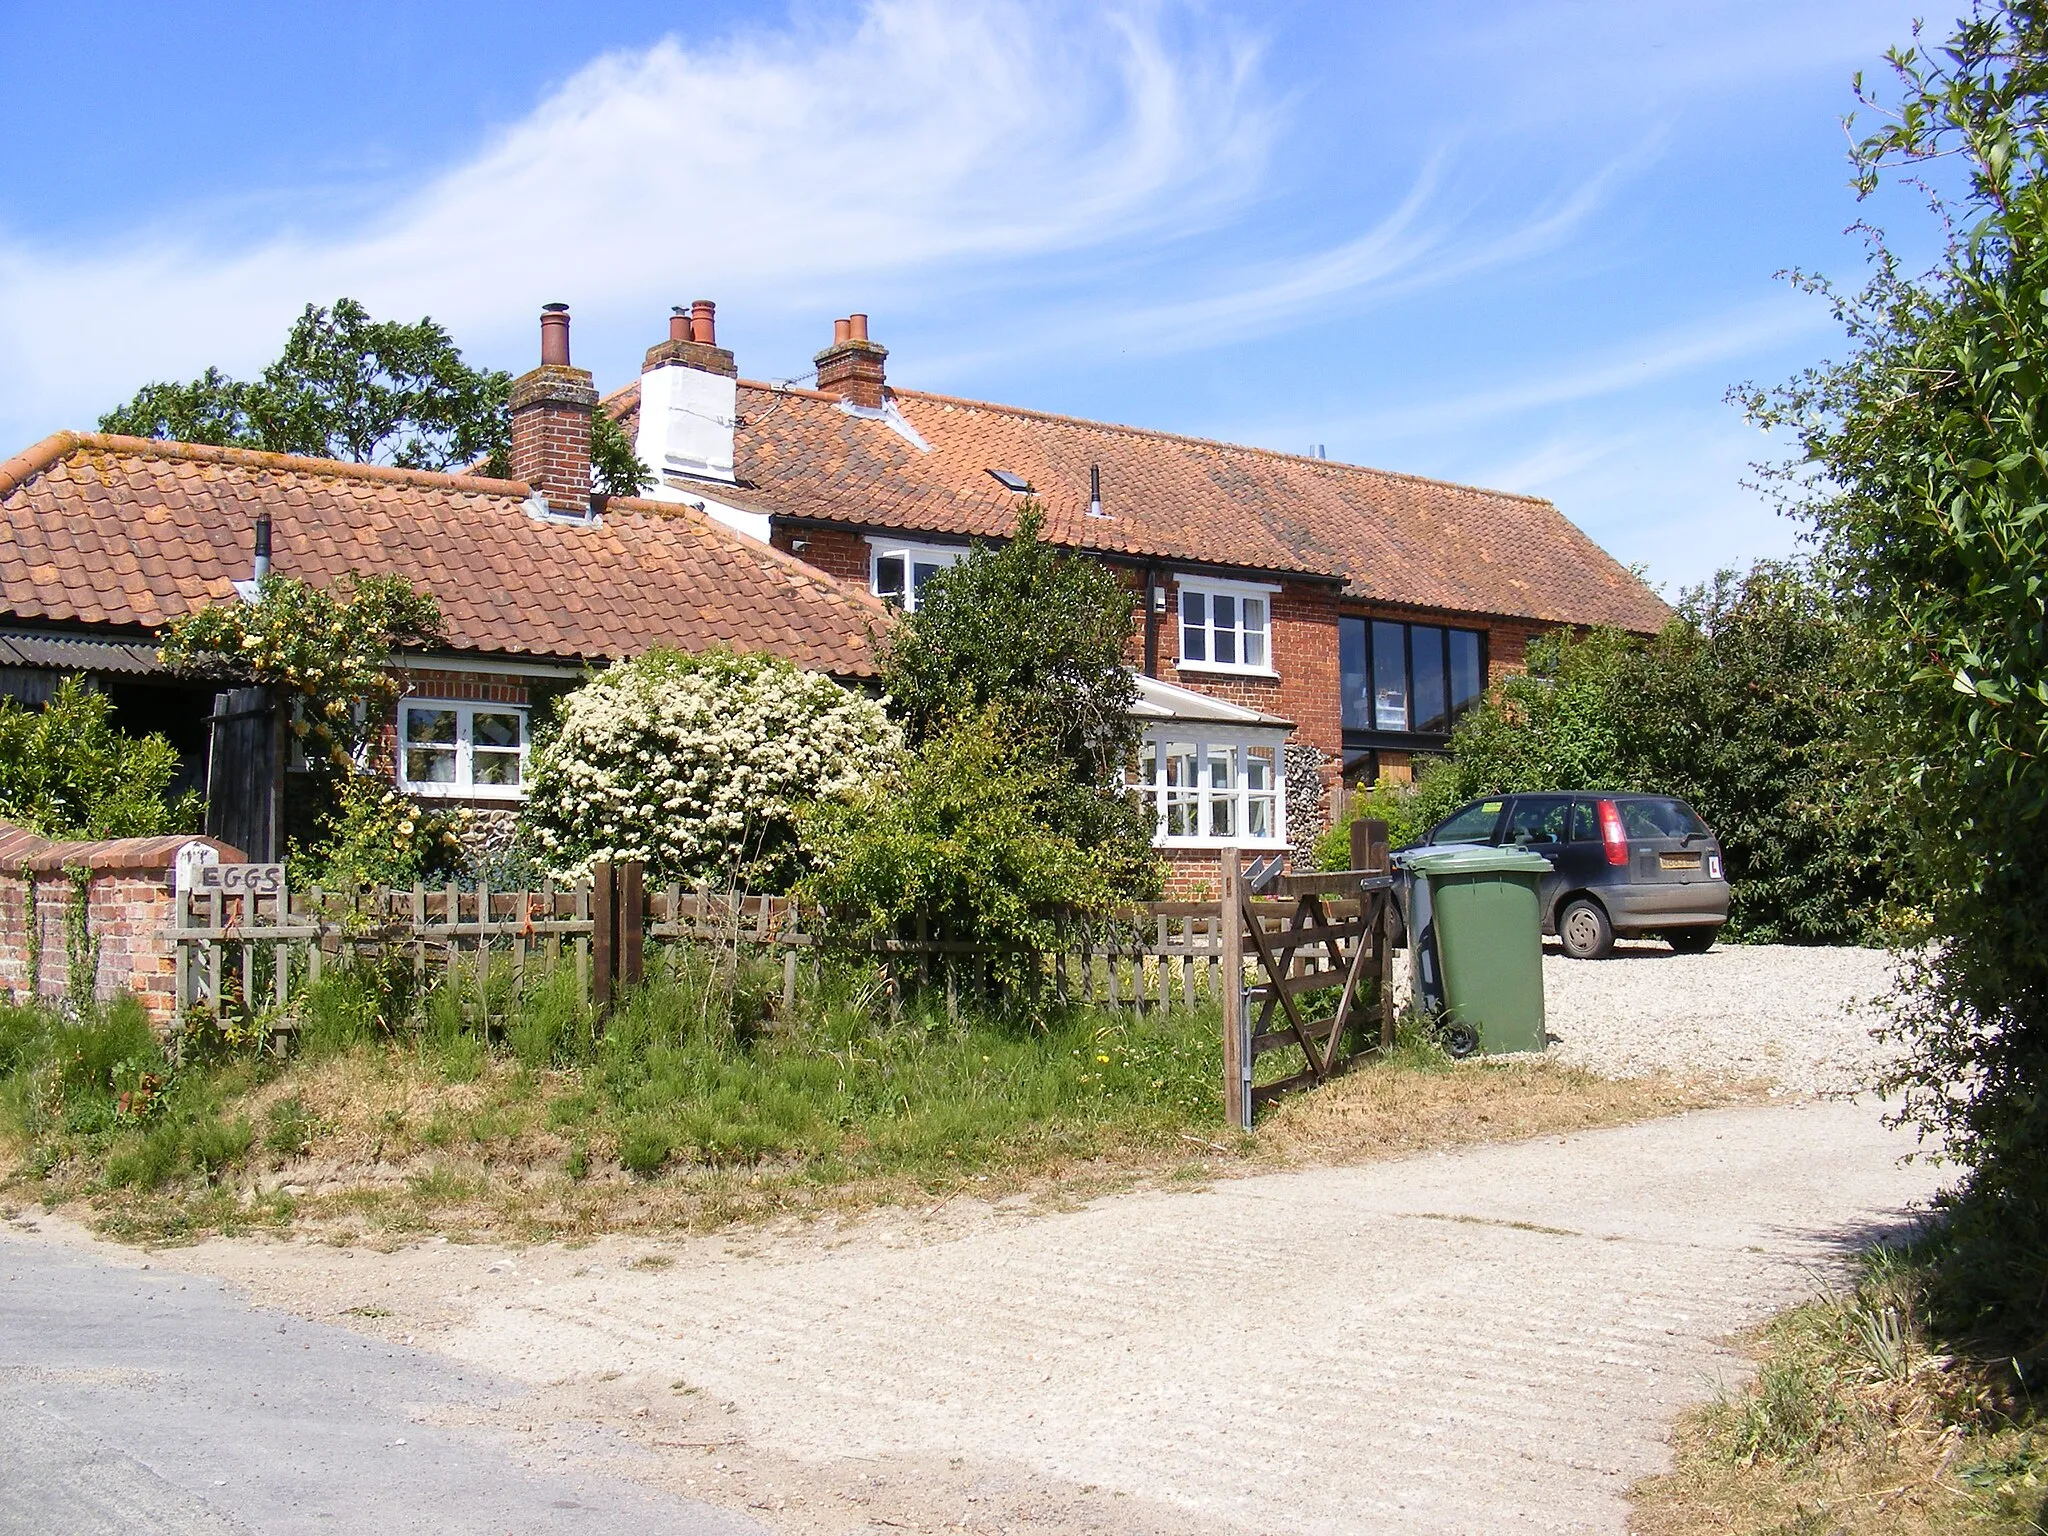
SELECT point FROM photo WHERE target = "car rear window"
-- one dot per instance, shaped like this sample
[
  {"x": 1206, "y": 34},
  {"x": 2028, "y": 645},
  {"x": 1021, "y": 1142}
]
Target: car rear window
[{"x": 1660, "y": 818}]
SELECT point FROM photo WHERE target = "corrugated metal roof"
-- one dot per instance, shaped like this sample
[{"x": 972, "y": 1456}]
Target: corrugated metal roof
[{"x": 76, "y": 653}]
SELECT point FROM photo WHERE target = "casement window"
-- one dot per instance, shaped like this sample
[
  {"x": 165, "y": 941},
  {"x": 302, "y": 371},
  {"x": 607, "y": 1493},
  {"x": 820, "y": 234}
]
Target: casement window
[
  {"x": 1409, "y": 678},
  {"x": 1212, "y": 789},
  {"x": 1225, "y": 627},
  {"x": 465, "y": 750},
  {"x": 898, "y": 571}
]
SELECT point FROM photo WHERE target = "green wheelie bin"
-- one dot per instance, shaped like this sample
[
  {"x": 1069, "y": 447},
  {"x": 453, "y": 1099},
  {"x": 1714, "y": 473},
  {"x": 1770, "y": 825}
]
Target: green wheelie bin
[{"x": 1477, "y": 945}]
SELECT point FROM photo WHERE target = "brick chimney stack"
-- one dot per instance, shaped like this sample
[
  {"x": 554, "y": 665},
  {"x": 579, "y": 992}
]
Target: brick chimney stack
[
  {"x": 551, "y": 408},
  {"x": 692, "y": 342},
  {"x": 852, "y": 366}
]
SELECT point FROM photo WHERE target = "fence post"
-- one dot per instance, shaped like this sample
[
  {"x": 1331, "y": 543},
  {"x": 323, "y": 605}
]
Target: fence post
[
  {"x": 604, "y": 916},
  {"x": 1237, "y": 1066},
  {"x": 1369, "y": 846},
  {"x": 632, "y": 929}
]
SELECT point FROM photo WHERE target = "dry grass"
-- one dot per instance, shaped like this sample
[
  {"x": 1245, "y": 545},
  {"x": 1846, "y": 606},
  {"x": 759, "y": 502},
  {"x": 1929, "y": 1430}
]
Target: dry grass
[
  {"x": 383, "y": 1148},
  {"x": 1404, "y": 1105},
  {"x": 1853, "y": 1425}
]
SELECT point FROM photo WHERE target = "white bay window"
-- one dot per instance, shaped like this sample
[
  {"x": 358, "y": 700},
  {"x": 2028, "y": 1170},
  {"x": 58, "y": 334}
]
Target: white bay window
[{"x": 1213, "y": 789}]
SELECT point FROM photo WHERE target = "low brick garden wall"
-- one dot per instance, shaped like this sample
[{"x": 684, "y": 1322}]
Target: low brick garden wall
[{"x": 127, "y": 885}]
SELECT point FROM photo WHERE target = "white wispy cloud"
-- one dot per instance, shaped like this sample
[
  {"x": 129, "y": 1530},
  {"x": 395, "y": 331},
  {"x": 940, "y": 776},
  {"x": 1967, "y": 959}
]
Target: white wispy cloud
[
  {"x": 925, "y": 135},
  {"x": 1633, "y": 364}
]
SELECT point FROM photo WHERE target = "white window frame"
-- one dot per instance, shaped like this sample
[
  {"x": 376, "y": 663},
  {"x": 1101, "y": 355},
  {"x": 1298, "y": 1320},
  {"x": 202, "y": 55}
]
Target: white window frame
[
  {"x": 1211, "y": 743},
  {"x": 912, "y": 554},
  {"x": 465, "y": 786},
  {"x": 1238, "y": 591}
]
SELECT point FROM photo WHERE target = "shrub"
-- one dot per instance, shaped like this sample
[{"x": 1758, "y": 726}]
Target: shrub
[
  {"x": 697, "y": 766},
  {"x": 1040, "y": 635},
  {"x": 1922, "y": 469},
  {"x": 373, "y": 835},
  {"x": 217, "y": 1145},
  {"x": 959, "y": 841},
  {"x": 67, "y": 771}
]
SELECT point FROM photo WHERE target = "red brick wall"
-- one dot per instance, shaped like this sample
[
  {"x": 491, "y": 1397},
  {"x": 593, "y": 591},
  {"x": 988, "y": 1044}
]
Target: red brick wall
[
  {"x": 834, "y": 551},
  {"x": 126, "y": 912},
  {"x": 1304, "y": 644}
]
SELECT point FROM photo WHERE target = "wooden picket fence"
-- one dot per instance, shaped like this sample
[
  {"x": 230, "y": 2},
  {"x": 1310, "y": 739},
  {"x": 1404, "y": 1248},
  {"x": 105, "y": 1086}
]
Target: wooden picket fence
[
  {"x": 249, "y": 954},
  {"x": 1266, "y": 943}
]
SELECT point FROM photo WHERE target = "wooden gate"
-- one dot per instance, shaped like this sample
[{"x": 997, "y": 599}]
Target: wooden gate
[
  {"x": 1327, "y": 936},
  {"x": 245, "y": 773}
]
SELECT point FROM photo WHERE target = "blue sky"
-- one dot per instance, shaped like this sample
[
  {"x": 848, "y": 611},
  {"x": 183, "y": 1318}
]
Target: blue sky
[{"x": 1527, "y": 246}]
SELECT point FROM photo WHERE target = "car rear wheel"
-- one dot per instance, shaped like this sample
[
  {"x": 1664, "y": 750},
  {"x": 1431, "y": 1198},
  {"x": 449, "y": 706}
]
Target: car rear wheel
[
  {"x": 1585, "y": 932},
  {"x": 1692, "y": 941}
]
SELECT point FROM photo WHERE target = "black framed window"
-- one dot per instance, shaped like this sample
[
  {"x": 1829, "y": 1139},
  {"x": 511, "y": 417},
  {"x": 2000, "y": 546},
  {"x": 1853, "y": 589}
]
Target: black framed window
[{"x": 1415, "y": 679}]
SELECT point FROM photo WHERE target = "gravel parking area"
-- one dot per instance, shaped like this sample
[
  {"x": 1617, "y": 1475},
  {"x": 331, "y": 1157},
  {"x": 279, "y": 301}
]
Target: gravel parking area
[{"x": 1797, "y": 1017}]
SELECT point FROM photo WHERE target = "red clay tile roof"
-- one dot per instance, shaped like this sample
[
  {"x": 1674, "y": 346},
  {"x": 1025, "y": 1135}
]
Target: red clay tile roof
[
  {"x": 1391, "y": 538},
  {"x": 98, "y": 529}
]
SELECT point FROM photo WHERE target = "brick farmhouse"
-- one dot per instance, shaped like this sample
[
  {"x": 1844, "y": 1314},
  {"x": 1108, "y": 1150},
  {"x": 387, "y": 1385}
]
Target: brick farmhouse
[{"x": 1302, "y": 622}]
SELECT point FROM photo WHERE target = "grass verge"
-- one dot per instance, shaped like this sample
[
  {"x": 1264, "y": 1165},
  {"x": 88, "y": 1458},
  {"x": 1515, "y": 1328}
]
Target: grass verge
[
  {"x": 693, "y": 1106},
  {"x": 1861, "y": 1419}
]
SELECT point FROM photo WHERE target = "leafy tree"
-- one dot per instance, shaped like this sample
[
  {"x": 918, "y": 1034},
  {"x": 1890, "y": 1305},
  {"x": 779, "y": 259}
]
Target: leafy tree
[
  {"x": 1747, "y": 705},
  {"x": 67, "y": 771},
  {"x": 615, "y": 466},
  {"x": 345, "y": 387},
  {"x": 1931, "y": 447},
  {"x": 1039, "y": 635}
]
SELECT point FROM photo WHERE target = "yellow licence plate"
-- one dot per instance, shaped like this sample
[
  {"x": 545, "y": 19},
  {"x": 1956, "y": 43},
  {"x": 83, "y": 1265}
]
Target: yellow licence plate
[{"x": 1678, "y": 861}]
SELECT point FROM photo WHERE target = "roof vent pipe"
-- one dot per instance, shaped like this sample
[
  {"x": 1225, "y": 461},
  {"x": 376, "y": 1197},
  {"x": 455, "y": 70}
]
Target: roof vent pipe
[
  {"x": 261, "y": 568},
  {"x": 1095, "y": 491},
  {"x": 554, "y": 335}
]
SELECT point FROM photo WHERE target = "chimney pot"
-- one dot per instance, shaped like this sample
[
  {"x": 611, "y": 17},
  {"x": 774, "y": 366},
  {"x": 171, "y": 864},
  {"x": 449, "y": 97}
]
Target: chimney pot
[
  {"x": 857, "y": 327},
  {"x": 678, "y": 324},
  {"x": 554, "y": 335},
  {"x": 842, "y": 332},
  {"x": 704, "y": 322}
]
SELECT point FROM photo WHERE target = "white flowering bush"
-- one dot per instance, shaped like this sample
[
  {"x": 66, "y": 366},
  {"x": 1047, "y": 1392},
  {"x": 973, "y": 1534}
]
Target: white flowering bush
[{"x": 697, "y": 765}]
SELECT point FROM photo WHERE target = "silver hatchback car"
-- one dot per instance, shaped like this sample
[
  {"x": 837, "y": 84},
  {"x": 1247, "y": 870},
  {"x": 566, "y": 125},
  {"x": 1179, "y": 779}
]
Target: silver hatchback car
[{"x": 1621, "y": 866}]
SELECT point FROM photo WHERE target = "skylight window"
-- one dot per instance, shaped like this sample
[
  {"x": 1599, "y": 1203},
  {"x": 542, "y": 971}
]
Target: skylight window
[{"x": 1010, "y": 482}]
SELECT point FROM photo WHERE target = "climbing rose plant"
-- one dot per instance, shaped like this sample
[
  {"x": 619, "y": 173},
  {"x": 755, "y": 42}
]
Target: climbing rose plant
[
  {"x": 697, "y": 765},
  {"x": 325, "y": 652}
]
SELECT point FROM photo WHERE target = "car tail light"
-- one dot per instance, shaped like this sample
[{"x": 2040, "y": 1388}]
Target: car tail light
[{"x": 1613, "y": 833}]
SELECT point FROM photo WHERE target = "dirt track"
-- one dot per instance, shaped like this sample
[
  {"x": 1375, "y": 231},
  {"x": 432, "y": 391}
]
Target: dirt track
[{"x": 1486, "y": 1340}]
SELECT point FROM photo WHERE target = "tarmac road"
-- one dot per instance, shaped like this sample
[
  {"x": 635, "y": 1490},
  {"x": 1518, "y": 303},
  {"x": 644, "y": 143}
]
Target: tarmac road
[{"x": 142, "y": 1401}]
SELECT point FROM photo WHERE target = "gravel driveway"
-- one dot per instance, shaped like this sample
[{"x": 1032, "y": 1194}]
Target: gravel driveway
[
  {"x": 1797, "y": 1017},
  {"x": 1489, "y": 1340}
]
